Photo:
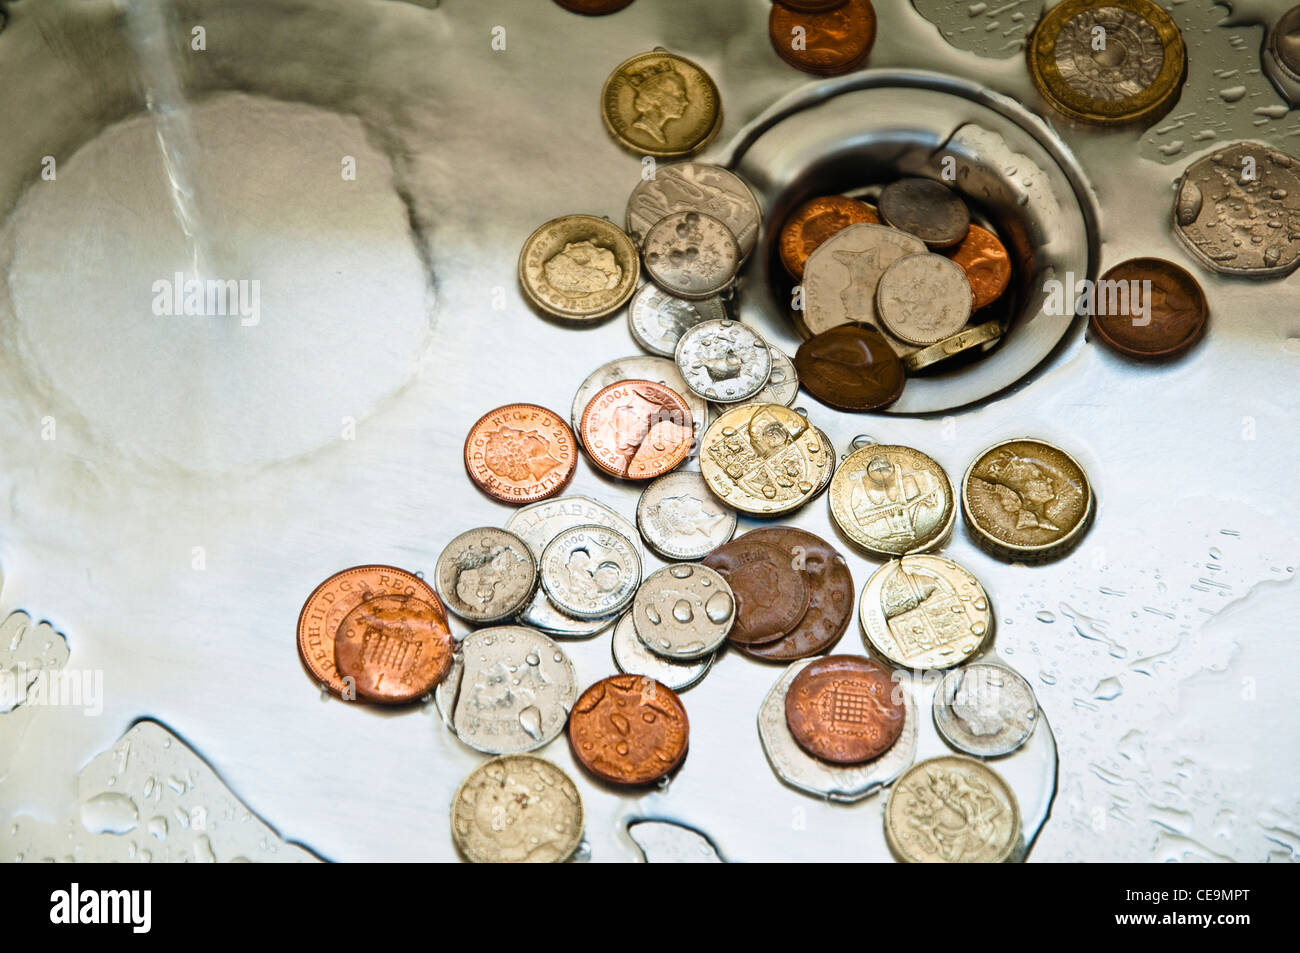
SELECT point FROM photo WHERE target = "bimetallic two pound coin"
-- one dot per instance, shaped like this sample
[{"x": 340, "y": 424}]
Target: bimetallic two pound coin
[
  {"x": 486, "y": 575},
  {"x": 579, "y": 268},
  {"x": 924, "y": 612},
  {"x": 660, "y": 104},
  {"x": 892, "y": 500},
  {"x": 952, "y": 810},
  {"x": 517, "y": 809},
  {"x": 520, "y": 453},
  {"x": 764, "y": 459}
]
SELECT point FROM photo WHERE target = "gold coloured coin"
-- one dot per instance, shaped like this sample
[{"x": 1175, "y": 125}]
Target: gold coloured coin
[
  {"x": 517, "y": 809},
  {"x": 579, "y": 268},
  {"x": 660, "y": 104},
  {"x": 980, "y": 335},
  {"x": 924, "y": 612},
  {"x": 892, "y": 500},
  {"x": 764, "y": 459},
  {"x": 1026, "y": 501},
  {"x": 952, "y": 810}
]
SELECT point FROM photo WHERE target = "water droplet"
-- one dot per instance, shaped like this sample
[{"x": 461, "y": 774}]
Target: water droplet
[
  {"x": 653, "y": 615},
  {"x": 1045, "y": 616},
  {"x": 681, "y": 572},
  {"x": 158, "y": 828},
  {"x": 719, "y": 608},
  {"x": 683, "y": 612},
  {"x": 532, "y": 658},
  {"x": 861, "y": 440},
  {"x": 109, "y": 814},
  {"x": 1108, "y": 689},
  {"x": 530, "y": 719}
]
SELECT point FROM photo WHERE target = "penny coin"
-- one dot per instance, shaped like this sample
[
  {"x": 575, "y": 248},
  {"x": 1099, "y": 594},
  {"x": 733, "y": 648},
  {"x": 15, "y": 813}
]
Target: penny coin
[
  {"x": 695, "y": 187},
  {"x": 764, "y": 459},
  {"x": 594, "y": 8},
  {"x": 331, "y": 601},
  {"x": 825, "y": 43},
  {"x": 1026, "y": 500},
  {"x": 591, "y": 572},
  {"x": 810, "y": 6},
  {"x": 986, "y": 263},
  {"x": 843, "y": 709},
  {"x": 830, "y": 599},
  {"x": 486, "y": 575},
  {"x": 633, "y": 658},
  {"x": 923, "y": 299},
  {"x": 985, "y": 709},
  {"x": 724, "y": 361},
  {"x": 782, "y": 385},
  {"x": 658, "y": 320},
  {"x": 1162, "y": 318},
  {"x": 840, "y": 277},
  {"x": 927, "y": 209},
  {"x": 680, "y": 519},
  {"x": 980, "y": 336},
  {"x": 892, "y": 500},
  {"x": 520, "y": 453},
  {"x": 691, "y": 255},
  {"x": 951, "y": 810},
  {"x": 517, "y": 809},
  {"x": 660, "y": 104},
  {"x": 815, "y": 221},
  {"x": 396, "y": 648},
  {"x": 684, "y": 611},
  {"x": 629, "y": 729},
  {"x": 637, "y": 430},
  {"x": 924, "y": 612},
  {"x": 771, "y": 594},
  {"x": 850, "y": 368},
  {"x": 579, "y": 268},
  {"x": 1135, "y": 73},
  {"x": 640, "y": 367}
]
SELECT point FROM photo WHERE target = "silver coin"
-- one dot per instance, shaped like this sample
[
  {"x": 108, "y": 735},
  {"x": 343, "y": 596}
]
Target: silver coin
[
  {"x": 782, "y": 385},
  {"x": 985, "y": 709},
  {"x": 633, "y": 658},
  {"x": 925, "y": 208},
  {"x": 509, "y": 690},
  {"x": 591, "y": 571},
  {"x": 640, "y": 368},
  {"x": 695, "y": 187},
  {"x": 842, "y": 274},
  {"x": 827, "y": 473},
  {"x": 691, "y": 255},
  {"x": 680, "y": 518},
  {"x": 724, "y": 361},
  {"x": 924, "y": 299},
  {"x": 657, "y": 319},
  {"x": 485, "y": 575},
  {"x": 684, "y": 611},
  {"x": 800, "y": 770}
]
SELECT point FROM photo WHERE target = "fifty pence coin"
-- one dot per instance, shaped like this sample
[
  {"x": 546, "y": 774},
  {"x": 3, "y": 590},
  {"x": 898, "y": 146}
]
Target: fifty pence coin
[
  {"x": 681, "y": 520},
  {"x": 629, "y": 729},
  {"x": 985, "y": 709},
  {"x": 841, "y": 276},
  {"x": 845, "y": 709},
  {"x": 637, "y": 430},
  {"x": 640, "y": 367},
  {"x": 951, "y": 810},
  {"x": 980, "y": 336},
  {"x": 892, "y": 500},
  {"x": 520, "y": 453},
  {"x": 691, "y": 255},
  {"x": 772, "y": 594},
  {"x": 517, "y": 809},
  {"x": 850, "y": 367},
  {"x": 724, "y": 361},
  {"x": 764, "y": 459},
  {"x": 660, "y": 104},
  {"x": 684, "y": 611},
  {"x": 927, "y": 209},
  {"x": 925, "y": 612},
  {"x": 1167, "y": 310},
  {"x": 579, "y": 268},
  {"x": 986, "y": 263},
  {"x": 633, "y": 658},
  {"x": 394, "y": 648},
  {"x": 695, "y": 187},
  {"x": 923, "y": 299},
  {"x": 486, "y": 575},
  {"x": 815, "y": 221},
  {"x": 591, "y": 572},
  {"x": 658, "y": 320}
]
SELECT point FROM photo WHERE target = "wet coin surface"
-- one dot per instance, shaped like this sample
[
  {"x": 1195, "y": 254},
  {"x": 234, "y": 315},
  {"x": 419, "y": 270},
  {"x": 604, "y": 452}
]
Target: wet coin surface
[
  {"x": 986, "y": 263},
  {"x": 1108, "y": 61},
  {"x": 772, "y": 595},
  {"x": 927, "y": 209},
  {"x": 637, "y": 430},
  {"x": 579, "y": 268},
  {"x": 826, "y": 43},
  {"x": 633, "y": 658},
  {"x": 850, "y": 367},
  {"x": 629, "y": 729},
  {"x": 520, "y": 453},
  {"x": 395, "y": 648},
  {"x": 591, "y": 571},
  {"x": 1026, "y": 500},
  {"x": 985, "y": 709},
  {"x": 657, "y": 319},
  {"x": 980, "y": 336},
  {"x": 331, "y": 601},
  {"x": 952, "y": 810},
  {"x": 764, "y": 459},
  {"x": 695, "y": 187},
  {"x": 1284, "y": 42},
  {"x": 594, "y": 8},
  {"x": 814, "y": 222},
  {"x": 640, "y": 367},
  {"x": 684, "y": 611},
  {"x": 517, "y": 809},
  {"x": 782, "y": 385},
  {"x": 691, "y": 255},
  {"x": 841, "y": 276},
  {"x": 892, "y": 500},
  {"x": 660, "y": 104},
  {"x": 1166, "y": 311},
  {"x": 845, "y": 709},
  {"x": 680, "y": 519},
  {"x": 923, "y": 299},
  {"x": 925, "y": 612},
  {"x": 724, "y": 361},
  {"x": 486, "y": 575}
]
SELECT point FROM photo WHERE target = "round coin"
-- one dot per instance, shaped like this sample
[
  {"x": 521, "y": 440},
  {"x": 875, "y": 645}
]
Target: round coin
[
  {"x": 952, "y": 810},
  {"x": 520, "y": 453},
  {"x": 892, "y": 500},
  {"x": 841, "y": 276},
  {"x": 684, "y": 611},
  {"x": 691, "y": 255},
  {"x": 850, "y": 368},
  {"x": 764, "y": 459},
  {"x": 927, "y": 209},
  {"x": 593, "y": 8},
  {"x": 660, "y": 104},
  {"x": 923, "y": 299},
  {"x": 814, "y": 222},
  {"x": 844, "y": 709},
  {"x": 1166, "y": 314},
  {"x": 629, "y": 729},
  {"x": 517, "y": 809},
  {"x": 695, "y": 187},
  {"x": 681, "y": 520},
  {"x": 810, "y": 6},
  {"x": 986, "y": 263},
  {"x": 1284, "y": 42},
  {"x": 637, "y": 430},
  {"x": 395, "y": 648},
  {"x": 980, "y": 336},
  {"x": 486, "y": 575},
  {"x": 590, "y": 572},
  {"x": 579, "y": 268},
  {"x": 658, "y": 320},
  {"x": 1026, "y": 500},
  {"x": 724, "y": 361},
  {"x": 782, "y": 385},
  {"x": 985, "y": 709},
  {"x": 640, "y": 367},
  {"x": 826, "y": 43},
  {"x": 771, "y": 593},
  {"x": 924, "y": 612},
  {"x": 633, "y": 658}
]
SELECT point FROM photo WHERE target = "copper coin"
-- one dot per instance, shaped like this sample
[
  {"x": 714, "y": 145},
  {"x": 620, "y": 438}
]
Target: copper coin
[
  {"x": 986, "y": 263},
  {"x": 594, "y": 8},
  {"x": 827, "y": 43},
  {"x": 771, "y": 594},
  {"x": 843, "y": 709},
  {"x": 850, "y": 367},
  {"x": 521, "y": 453},
  {"x": 1161, "y": 319},
  {"x": 637, "y": 430},
  {"x": 397, "y": 648},
  {"x": 814, "y": 222},
  {"x": 333, "y": 599},
  {"x": 811, "y": 6},
  {"x": 629, "y": 729},
  {"x": 830, "y": 602}
]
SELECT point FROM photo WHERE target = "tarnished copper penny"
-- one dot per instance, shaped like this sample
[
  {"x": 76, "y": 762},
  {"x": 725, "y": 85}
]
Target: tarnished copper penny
[
  {"x": 1167, "y": 320},
  {"x": 331, "y": 601},
  {"x": 637, "y": 430},
  {"x": 629, "y": 729},
  {"x": 521, "y": 453},
  {"x": 987, "y": 265},
  {"x": 814, "y": 222},
  {"x": 843, "y": 709},
  {"x": 397, "y": 648},
  {"x": 850, "y": 367},
  {"x": 826, "y": 43},
  {"x": 830, "y": 602},
  {"x": 594, "y": 8},
  {"x": 771, "y": 594}
]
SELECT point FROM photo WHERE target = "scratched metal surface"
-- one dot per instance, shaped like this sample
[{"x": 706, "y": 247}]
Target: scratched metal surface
[{"x": 204, "y": 476}]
